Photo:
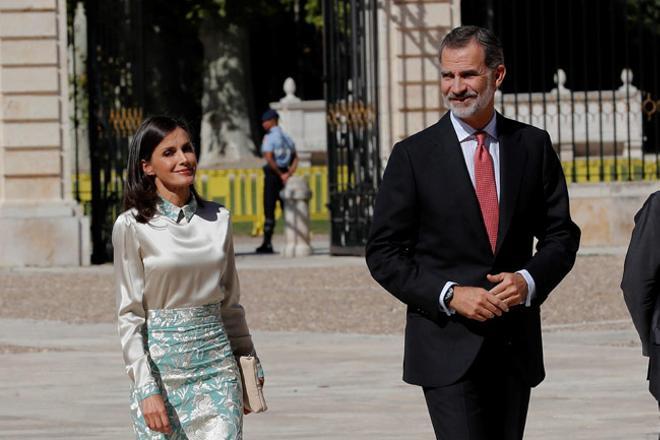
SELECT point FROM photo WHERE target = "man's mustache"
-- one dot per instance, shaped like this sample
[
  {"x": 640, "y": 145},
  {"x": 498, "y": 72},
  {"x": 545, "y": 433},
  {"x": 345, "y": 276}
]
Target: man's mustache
[{"x": 462, "y": 95}]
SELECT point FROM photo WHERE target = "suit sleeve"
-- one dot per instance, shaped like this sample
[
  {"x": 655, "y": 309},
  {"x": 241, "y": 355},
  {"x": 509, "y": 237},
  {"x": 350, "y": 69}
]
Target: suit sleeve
[
  {"x": 558, "y": 237},
  {"x": 393, "y": 237},
  {"x": 640, "y": 272}
]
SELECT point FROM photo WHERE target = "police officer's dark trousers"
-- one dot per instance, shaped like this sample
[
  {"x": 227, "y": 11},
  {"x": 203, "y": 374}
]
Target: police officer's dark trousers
[{"x": 272, "y": 187}]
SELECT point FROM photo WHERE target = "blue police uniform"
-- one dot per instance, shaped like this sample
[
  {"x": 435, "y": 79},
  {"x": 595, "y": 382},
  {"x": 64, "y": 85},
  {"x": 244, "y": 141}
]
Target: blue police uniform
[{"x": 284, "y": 151}]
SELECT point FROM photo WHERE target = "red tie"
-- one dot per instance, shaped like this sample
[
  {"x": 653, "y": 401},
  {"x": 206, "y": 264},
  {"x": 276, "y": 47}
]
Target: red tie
[{"x": 484, "y": 176}]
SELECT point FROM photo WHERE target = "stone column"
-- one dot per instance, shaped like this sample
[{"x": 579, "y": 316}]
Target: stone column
[
  {"x": 409, "y": 37},
  {"x": 296, "y": 217},
  {"x": 40, "y": 223}
]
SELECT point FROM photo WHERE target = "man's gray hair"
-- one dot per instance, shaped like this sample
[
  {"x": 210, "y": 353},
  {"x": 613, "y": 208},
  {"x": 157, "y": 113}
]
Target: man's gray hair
[{"x": 464, "y": 35}]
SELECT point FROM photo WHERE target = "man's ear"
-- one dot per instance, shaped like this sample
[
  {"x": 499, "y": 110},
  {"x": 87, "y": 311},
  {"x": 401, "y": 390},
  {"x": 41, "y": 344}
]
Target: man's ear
[
  {"x": 500, "y": 73},
  {"x": 147, "y": 168}
]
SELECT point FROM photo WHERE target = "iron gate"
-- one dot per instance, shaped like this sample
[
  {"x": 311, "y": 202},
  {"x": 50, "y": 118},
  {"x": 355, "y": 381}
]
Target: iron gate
[
  {"x": 115, "y": 90},
  {"x": 350, "y": 50}
]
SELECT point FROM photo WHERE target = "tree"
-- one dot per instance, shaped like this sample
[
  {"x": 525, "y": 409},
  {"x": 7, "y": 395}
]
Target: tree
[
  {"x": 197, "y": 65},
  {"x": 226, "y": 128}
]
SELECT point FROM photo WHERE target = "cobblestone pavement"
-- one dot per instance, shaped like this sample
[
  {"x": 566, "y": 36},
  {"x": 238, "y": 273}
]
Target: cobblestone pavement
[{"x": 319, "y": 293}]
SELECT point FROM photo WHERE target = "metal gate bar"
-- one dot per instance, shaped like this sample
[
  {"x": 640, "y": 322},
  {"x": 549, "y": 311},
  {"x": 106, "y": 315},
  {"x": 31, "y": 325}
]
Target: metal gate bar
[
  {"x": 350, "y": 68},
  {"x": 115, "y": 88}
]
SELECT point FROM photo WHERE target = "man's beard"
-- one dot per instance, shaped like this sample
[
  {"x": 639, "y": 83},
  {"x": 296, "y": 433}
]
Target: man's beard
[{"x": 466, "y": 111}]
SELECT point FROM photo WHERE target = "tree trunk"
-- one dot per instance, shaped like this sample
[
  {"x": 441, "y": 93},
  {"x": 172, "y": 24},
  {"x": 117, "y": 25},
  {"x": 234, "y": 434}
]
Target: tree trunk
[{"x": 225, "y": 133}]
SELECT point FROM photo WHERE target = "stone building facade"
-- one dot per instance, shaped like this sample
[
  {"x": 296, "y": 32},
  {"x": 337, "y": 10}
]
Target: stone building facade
[
  {"x": 409, "y": 35},
  {"x": 40, "y": 223}
]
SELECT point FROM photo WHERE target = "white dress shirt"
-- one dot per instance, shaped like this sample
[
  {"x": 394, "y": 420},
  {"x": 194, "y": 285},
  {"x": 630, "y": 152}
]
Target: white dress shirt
[{"x": 468, "y": 142}]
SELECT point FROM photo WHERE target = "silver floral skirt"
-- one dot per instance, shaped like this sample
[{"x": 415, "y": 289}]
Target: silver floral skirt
[{"x": 199, "y": 380}]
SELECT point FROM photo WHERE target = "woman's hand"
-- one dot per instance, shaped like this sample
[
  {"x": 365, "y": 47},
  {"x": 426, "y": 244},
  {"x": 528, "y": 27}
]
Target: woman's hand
[{"x": 155, "y": 414}]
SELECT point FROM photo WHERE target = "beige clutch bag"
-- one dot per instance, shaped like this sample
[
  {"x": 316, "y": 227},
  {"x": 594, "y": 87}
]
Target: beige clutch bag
[{"x": 253, "y": 395}]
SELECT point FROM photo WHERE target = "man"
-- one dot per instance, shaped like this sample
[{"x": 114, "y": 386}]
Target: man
[
  {"x": 281, "y": 162},
  {"x": 641, "y": 285},
  {"x": 452, "y": 237}
]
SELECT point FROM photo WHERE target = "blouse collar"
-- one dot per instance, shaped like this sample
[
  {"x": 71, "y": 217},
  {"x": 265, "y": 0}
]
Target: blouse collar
[{"x": 175, "y": 213}]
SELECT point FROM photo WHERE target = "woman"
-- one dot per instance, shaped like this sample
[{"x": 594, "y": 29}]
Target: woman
[{"x": 180, "y": 321}]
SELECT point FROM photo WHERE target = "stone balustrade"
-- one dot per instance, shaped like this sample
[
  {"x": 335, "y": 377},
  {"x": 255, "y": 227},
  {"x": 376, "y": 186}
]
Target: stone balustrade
[
  {"x": 595, "y": 119},
  {"x": 584, "y": 119}
]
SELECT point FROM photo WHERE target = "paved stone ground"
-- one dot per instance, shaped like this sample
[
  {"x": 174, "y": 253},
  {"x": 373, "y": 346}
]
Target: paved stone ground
[
  {"x": 319, "y": 386},
  {"x": 330, "y": 340}
]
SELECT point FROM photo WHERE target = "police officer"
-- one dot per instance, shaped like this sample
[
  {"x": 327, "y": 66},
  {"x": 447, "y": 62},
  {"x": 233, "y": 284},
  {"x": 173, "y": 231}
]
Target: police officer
[{"x": 280, "y": 153}]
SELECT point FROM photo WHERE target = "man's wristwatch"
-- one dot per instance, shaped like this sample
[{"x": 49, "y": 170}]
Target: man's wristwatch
[{"x": 448, "y": 296}]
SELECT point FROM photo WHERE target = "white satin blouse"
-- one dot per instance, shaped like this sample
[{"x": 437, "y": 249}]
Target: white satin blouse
[{"x": 174, "y": 263}]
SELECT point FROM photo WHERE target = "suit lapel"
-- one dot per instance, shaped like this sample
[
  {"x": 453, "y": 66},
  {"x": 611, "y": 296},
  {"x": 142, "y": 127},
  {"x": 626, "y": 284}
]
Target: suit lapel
[
  {"x": 457, "y": 173},
  {"x": 512, "y": 163}
]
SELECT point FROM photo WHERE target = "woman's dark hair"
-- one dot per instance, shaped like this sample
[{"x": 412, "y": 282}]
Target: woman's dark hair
[{"x": 140, "y": 191}]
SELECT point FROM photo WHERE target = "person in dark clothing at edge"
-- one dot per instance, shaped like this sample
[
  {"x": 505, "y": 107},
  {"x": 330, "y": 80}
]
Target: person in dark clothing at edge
[
  {"x": 279, "y": 151},
  {"x": 641, "y": 285}
]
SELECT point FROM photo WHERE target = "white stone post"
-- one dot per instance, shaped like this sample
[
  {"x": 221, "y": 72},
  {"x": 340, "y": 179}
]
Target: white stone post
[
  {"x": 296, "y": 196},
  {"x": 304, "y": 121}
]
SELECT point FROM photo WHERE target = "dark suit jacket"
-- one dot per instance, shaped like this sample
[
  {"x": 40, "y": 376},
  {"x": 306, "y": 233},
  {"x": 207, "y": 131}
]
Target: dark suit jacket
[
  {"x": 428, "y": 229},
  {"x": 641, "y": 284}
]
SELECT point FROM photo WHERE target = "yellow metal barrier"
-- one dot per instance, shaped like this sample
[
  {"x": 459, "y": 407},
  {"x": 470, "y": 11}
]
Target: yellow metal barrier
[
  {"x": 241, "y": 191},
  {"x": 619, "y": 170}
]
